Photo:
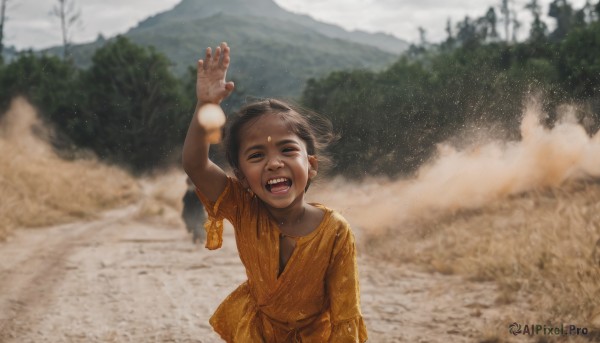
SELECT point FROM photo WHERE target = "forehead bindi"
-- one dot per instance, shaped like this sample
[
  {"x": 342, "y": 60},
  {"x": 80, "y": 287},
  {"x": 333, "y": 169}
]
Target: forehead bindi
[{"x": 267, "y": 129}]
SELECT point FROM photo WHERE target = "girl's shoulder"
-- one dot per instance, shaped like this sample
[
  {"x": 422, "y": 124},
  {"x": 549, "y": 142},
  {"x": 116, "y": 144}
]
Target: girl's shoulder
[
  {"x": 236, "y": 191},
  {"x": 334, "y": 219}
]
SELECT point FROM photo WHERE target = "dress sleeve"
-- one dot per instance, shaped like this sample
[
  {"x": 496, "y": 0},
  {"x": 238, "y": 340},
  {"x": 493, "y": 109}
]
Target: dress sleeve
[
  {"x": 343, "y": 290},
  {"x": 229, "y": 205}
]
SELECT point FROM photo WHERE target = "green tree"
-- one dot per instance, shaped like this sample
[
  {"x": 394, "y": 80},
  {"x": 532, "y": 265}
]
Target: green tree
[
  {"x": 580, "y": 62},
  {"x": 506, "y": 11},
  {"x": 136, "y": 110},
  {"x": 467, "y": 34},
  {"x": 391, "y": 121},
  {"x": 335, "y": 96},
  {"x": 404, "y": 111},
  {"x": 491, "y": 20},
  {"x": 46, "y": 81},
  {"x": 539, "y": 29},
  {"x": 450, "y": 41},
  {"x": 562, "y": 12}
]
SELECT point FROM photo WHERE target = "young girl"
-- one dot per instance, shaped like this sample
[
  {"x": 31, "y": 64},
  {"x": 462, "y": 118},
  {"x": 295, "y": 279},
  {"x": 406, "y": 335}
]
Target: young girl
[{"x": 300, "y": 258}]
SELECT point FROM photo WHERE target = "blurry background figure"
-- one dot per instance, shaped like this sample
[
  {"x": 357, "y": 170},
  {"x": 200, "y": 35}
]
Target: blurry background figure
[{"x": 193, "y": 213}]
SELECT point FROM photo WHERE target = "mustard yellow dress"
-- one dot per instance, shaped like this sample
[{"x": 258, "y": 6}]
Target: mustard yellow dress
[{"x": 316, "y": 297}]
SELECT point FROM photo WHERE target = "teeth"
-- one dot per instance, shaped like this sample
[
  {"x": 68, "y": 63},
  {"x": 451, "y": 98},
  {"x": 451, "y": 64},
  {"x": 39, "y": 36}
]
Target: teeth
[{"x": 274, "y": 181}]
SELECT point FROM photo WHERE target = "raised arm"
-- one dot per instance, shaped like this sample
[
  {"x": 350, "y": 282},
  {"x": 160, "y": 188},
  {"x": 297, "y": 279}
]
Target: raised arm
[{"x": 211, "y": 87}]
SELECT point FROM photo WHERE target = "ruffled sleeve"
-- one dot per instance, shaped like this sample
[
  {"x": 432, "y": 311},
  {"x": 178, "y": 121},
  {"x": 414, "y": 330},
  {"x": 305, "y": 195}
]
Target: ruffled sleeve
[
  {"x": 214, "y": 223},
  {"x": 343, "y": 291},
  {"x": 228, "y": 206},
  {"x": 352, "y": 330}
]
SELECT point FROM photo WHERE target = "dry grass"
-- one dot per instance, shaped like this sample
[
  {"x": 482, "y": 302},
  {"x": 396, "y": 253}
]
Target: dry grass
[
  {"x": 538, "y": 246},
  {"x": 38, "y": 188},
  {"x": 523, "y": 214}
]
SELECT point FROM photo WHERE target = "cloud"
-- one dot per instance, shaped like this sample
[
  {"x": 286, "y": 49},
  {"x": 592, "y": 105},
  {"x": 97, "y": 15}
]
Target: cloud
[
  {"x": 30, "y": 24},
  {"x": 403, "y": 17}
]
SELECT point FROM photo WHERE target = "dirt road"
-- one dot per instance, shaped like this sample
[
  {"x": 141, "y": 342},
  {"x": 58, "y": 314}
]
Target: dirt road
[{"x": 120, "y": 280}]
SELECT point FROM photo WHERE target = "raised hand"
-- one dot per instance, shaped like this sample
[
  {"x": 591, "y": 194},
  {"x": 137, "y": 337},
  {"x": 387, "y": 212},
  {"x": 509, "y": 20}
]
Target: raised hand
[{"x": 211, "y": 86}]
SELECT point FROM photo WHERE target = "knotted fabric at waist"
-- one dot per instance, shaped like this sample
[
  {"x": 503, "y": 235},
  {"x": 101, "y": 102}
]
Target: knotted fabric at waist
[{"x": 278, "y": 331}]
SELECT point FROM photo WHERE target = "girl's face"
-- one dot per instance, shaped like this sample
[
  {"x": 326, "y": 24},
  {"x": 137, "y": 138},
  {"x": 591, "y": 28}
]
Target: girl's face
[{"x": 273, "y": 162}]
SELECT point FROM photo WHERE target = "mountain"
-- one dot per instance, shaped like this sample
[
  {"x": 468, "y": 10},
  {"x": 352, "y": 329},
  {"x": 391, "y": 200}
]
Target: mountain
[
  {"x": 198, "y": 9},
  {"x": 274, "y": 51}
]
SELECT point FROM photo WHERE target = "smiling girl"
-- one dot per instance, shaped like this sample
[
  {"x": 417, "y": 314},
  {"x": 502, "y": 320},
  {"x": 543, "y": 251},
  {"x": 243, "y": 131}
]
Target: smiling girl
[{"x": 299, "y": 257}]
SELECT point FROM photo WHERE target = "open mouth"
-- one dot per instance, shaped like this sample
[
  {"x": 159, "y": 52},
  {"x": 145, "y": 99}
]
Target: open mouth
[{"x": 279, "y": 185}]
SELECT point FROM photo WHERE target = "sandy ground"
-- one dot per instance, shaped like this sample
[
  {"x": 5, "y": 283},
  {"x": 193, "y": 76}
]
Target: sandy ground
[{"x": 116, "y": 279}]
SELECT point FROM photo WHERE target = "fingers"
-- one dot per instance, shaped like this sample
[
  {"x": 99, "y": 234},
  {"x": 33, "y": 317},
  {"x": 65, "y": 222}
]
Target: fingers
[
  {"x": 226, "y": 58},
  {"x": 217, "y": 55},
  {"x": 208, "y": 54},
  {"x": 229, "y": 86},
  {"x": 225, "y": 49},
  {"x": 219, "y": 58},
  {"x": 204, "y": 64}
]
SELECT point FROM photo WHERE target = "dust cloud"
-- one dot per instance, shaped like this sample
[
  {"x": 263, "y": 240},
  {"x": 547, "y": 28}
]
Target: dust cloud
[
  {"x": 17, "y": 128},
  {"x": 39, "y": 188},
  {"x": 472, "y": 177}
]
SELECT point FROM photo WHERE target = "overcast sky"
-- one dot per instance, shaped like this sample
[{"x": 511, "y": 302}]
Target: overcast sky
[{"x": 30, "y": 25}]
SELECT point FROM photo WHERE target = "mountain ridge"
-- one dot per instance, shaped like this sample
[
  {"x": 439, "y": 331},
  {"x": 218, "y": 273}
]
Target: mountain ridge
[
  {"x": 271, "y": 58},
  {"x": 198, "y": 9}
]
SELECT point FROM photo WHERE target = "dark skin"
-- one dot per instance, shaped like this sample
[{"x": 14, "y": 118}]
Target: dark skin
[
  {"x": 275, "y": 154},
  {"x": 269, "y": 150},
  {"x": 287, "y": 243}
]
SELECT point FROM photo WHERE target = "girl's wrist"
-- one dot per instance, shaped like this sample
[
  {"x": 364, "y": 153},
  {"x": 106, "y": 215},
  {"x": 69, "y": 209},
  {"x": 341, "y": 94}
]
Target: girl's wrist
[
  {"x": 201, "y": 102},
  {"x": 208, "y": 98}
]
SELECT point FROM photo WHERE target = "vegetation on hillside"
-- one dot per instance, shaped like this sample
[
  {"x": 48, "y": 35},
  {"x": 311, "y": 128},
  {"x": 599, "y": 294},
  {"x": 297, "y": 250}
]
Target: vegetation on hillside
[
  {"x": 133, "y": 114},
  {"x": 275, "y": 57},
  {"x": 269, "y": 11},
  {"x": 472, "y": 82}
]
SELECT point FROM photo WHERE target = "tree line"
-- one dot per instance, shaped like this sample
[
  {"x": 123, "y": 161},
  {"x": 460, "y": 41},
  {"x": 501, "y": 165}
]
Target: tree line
[
  {"x": 127, "y": 107},
  {"x": 473, "y": 81}
]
